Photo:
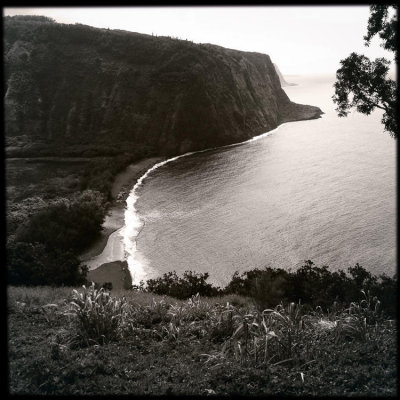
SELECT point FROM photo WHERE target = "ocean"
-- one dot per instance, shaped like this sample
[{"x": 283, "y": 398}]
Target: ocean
[{"x": 323, "y": 190}]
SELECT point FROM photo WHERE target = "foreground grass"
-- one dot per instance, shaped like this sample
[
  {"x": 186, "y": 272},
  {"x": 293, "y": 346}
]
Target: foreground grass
[{"x": 89, "y": 342}]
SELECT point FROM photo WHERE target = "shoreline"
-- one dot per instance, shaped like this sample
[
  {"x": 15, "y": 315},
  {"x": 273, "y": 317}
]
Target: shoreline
[
  {"x": 124, "y": 183},
  {"x": 116, "y": 271},
  {"x": 122, "y": 186}
]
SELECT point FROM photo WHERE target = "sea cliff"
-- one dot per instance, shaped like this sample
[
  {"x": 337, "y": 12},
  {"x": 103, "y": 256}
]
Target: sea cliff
[{"x": 77, "y": 90}]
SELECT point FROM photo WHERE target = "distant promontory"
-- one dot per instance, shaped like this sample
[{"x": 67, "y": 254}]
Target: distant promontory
[{"x": 282, "y": 79}]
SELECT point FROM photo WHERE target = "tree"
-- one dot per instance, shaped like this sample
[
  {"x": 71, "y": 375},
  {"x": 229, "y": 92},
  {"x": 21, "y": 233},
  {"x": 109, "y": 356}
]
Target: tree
[
  {"x": 379, "y": 24},
  {"x": 35, "y": 264},
  {"x": 362, "y": 83},
  {"x": 69, "y": 224}
]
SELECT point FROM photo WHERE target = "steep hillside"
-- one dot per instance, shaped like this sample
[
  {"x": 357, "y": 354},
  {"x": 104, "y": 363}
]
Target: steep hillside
[{"x": 76, "y": 90}]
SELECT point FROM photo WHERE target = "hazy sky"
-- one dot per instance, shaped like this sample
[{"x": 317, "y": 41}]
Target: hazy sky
[{"x": 304, "y": 39}]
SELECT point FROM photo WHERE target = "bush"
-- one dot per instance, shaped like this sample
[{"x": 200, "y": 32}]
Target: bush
[
  {"x": 267, "y": 287},
  {"x": 35, "y": 264},
  {"x": 318, "y": 286},
  {"x": 189, "y": 285},
  {"x": 310, "y": 285},
  {"x": 313, "y": 286},
  {"x": 385, "y": 289},
  {"x": 69, "y": 225}
]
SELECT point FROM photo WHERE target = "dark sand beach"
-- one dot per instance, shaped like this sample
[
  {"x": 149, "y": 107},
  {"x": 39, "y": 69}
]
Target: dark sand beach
[{"x": 116, "y": 272}]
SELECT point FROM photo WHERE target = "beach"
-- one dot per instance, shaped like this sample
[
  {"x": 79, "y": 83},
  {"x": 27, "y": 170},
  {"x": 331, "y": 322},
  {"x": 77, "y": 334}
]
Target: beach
[{"x": 115, "y": 270}]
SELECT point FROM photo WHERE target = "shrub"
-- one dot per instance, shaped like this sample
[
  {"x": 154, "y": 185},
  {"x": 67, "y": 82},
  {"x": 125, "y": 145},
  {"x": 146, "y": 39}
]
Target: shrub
[
  {"x": 67, "y": 224},
  {"x": 35, "y": 264},
  {"x": 266, "y": 287},
  {"x": 318, "y": 286},
  {"x": 43, "y": 249},
  {"x": 190, "y": 284},
  {"x": 385, "y": 289},
  {"x": 313, "y": 286}
]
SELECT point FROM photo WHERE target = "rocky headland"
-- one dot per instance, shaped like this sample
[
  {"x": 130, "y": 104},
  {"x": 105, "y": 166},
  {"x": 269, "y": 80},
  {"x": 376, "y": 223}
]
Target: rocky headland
[{"x": 75, "y": 90}]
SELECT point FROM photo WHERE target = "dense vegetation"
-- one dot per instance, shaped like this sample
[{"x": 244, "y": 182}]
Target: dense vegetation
[
  {"x": 311, "y": 285},
  {"x": 55, "y": 214},
  {"x": 87, "y": 341},
  {"x": 43, "y": 250},
  {"x": 100, "y": 172}
]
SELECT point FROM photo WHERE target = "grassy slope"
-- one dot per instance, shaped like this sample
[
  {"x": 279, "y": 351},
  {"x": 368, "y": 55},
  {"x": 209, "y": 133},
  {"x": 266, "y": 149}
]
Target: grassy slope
[{"x": 162, "y": 352}]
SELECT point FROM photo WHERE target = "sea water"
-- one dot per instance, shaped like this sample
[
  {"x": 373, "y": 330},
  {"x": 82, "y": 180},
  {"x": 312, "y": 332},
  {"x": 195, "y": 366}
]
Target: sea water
[{"x": 321, "y": 189}]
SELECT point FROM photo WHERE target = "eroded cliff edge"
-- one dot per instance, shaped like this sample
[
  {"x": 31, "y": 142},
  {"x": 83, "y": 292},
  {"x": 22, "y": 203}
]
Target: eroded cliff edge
[{"x": 77, "y": 90}]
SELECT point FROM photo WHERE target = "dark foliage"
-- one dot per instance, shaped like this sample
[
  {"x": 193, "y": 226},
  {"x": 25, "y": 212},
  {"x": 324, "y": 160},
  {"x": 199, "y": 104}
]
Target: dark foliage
[
  {"x": 363, "y": 84},
  {"x": 35, "y": 264},
  {"x": 42, "y": 252},
  {"x": 310, "y": 285},
  {"x": 266, "y": 287},
  {"x": 99, "y": 174},
  {"x": 380, "y": 24},
  {"x": 68, "y": 225},
  {"x": 182, "y": 287},
  {"x": 318, "y": 286}
]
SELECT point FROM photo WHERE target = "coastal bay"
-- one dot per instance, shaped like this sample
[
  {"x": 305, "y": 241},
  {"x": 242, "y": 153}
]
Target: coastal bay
[{"x": 277, "y": 201}]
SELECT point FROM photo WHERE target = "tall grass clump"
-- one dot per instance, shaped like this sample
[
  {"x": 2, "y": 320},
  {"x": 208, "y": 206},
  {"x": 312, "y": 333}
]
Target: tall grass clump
[
  {"x": 262, "y": 338},
  {"x": 98, "y": 317},
  {"x": 358, "y": 319},
  {"x": 292, "y": 334}
]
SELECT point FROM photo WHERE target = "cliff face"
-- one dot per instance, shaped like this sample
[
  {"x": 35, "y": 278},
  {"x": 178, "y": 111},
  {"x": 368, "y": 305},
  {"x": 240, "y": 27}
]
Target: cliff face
[{"x": 70, "y": 86}]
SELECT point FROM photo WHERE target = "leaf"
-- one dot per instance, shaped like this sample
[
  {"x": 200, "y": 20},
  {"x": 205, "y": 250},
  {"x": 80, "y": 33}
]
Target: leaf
[
  {"x": 281, "y": 362},
  {"x": 237, "y": 330}
]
